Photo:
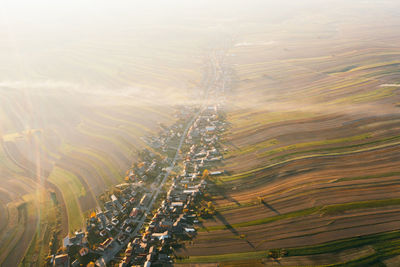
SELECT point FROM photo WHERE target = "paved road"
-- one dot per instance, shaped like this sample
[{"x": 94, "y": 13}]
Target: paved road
[{"x": 111, "y": 252}]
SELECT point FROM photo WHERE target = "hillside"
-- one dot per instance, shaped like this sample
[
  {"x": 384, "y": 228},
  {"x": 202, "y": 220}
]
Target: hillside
[
  {"x": 75, "y": 104},
  {"x": 312, "y": 147},
  {"x": 74, "y": 149},
  {"x": 307, "y": 94}
]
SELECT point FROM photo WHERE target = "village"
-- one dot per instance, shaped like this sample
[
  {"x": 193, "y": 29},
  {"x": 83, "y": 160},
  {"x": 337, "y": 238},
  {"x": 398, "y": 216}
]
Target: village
[{"x": 143, "y": 220}]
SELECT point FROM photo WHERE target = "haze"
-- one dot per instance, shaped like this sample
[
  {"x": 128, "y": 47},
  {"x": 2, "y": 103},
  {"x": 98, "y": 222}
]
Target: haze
[{"x": 282, "y": 114}]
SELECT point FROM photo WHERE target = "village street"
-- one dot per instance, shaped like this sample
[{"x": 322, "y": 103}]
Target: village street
[{"x": 113, "y": 250}]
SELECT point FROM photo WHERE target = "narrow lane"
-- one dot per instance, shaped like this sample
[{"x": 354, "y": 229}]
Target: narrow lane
[{"x": 110, "y": 254}]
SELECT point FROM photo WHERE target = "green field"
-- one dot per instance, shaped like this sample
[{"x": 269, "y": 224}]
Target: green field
[
  {"x": 385, "y": 245},
  {"x": 72, "y": 189},
  {"x": 247, "y": 174}
]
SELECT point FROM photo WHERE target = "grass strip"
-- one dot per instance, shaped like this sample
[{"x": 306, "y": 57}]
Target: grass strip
[
  {"x": 317, "y": 143},
  {"x": 372, "y": 176},
  {"x": 254, "y": 171},
  {"x": 324, "y": 210},
  {"x": 225, "y": 257},
  {"x": 386, "y": 244}
]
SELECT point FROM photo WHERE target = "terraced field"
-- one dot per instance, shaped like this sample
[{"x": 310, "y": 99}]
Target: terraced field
[
  {"x": 75, "y": 152},
  {"x": 73, "y": 112},
  {"x": 312, "y": 150},
  {"x": 312, "y": 99}
]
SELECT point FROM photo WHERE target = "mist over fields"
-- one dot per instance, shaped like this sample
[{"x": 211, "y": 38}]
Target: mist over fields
[
  {"x": 310, "y": 85},
  {"x": 119, "y": 46}
]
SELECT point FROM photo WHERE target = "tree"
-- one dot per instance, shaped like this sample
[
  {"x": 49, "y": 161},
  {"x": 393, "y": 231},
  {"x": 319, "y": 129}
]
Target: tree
[
  {"x": 210, "y": 205},
  {"x": 206, "y": 174},
  {"x": 277, "y": 253}
]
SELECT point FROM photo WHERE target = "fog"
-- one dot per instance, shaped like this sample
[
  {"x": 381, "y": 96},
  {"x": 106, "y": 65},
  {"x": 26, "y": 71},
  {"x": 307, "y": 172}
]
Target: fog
[
  {"x": 155, "y": 49},
  {"x": 86, "y": 85},
  {"x": 80, "y": 42}
]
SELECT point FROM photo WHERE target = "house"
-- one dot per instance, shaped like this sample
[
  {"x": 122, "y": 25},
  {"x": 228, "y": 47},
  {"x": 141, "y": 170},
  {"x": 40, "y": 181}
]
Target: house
[
  {"x": 103, "y": 233},
  {"x": 208, "y": 140},
  {"x": 149, "y": 257},
  {"x": 108, "y": 214},
  {"x": 152, "y": 224},
  {"x": 108, "y": 205},
  {"x": 141, "y": 248},
  {"x": 78, "y": 239},
  {"x": 191, "y": 191},
  {"x": 106, "y": 244},
  {"x": 213, "y": 151},
  {"x": 201, "y": 154},
  {"x": 129, "y": 250},
  {"x": 161, "y": 236},
  {"x": 83, "y": 251},
  {"x": 114, "y": 221},
  {"x": 115, "y": 201},
  {"x": 61, "y": 260},
  {"x": 134, "y": 212},
  {"x": 210, "y": 129},
  {"x": 115, "y": 213},
  {"x": 151, "y": 250},
  {"x": 166, "y": 224},
  {"x": 66, "y": 242},
  {"x": 128, "y": 229},
  {"x": 177, "y": 204},
  {"x": 101, "y": 217},
  {"x": 215, "y": 159}
]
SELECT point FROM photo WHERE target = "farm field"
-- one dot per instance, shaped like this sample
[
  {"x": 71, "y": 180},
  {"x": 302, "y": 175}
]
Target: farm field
[
  {"x": 311, "y": 94},
  {"x": 73, "y": 116},
  {"x": 76, "y": 158},
  {"x": 312, "y": 149}
]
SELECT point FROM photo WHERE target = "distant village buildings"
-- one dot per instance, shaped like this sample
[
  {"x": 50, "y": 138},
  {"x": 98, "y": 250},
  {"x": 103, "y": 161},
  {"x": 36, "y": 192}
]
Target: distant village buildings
[{"x": 117, "y": 224}]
